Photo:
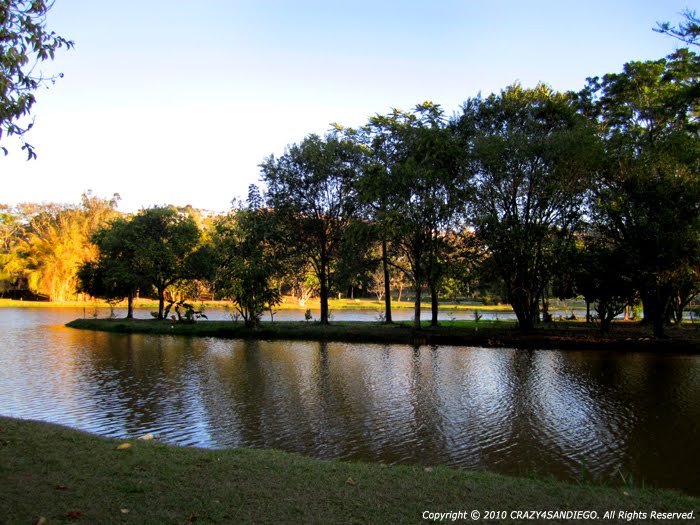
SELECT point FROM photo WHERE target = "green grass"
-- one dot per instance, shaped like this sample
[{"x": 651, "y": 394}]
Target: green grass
[
  {"x": 559, "y": 335},
  {"x": 288, "y": 304},
  {"x": 65, "y": 476}
]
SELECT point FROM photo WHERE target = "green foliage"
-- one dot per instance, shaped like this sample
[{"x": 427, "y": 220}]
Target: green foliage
[
  {"x": 646, "y": 201},
  {"x": 114, "y": 273},
  {"x": 605, "y": 277},
  {"x": 158, "y": 247},
  {"x": 412, "y": 185},
  {"x": 167, "y": 251},
  {"x": 531, "y": 156},
  {"x": 356, "y": 258},
  {"x": 25, "y": 44},
  {"x": 527, "y": 193},
  {"x": 248, "y": 261},
  {"x": 185, "y": 312},
  {"x": 313, "y": 188}
]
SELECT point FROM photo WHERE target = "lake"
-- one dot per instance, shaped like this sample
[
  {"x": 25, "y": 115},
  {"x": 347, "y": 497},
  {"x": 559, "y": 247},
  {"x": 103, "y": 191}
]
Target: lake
[{"x": 510, "y": 411}]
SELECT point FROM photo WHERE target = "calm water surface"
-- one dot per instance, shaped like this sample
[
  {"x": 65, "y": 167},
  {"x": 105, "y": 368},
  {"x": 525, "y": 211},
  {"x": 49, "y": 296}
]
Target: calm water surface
[{"x": 511, "y": 411}]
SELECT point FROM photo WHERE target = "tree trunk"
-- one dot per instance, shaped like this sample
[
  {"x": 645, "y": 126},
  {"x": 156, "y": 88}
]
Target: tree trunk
[
  {"x": 433, "y": 306},
  {"x": 324, "y": 287},
  {"x": 161, "y": 302},
  {"x": 658, "y": 323},
  {"x": 524, "y": 309},
  {"x": 130, "y": 305},
  {"x": 588, "y": 311},
  {"x": 525, "y": 321},
  {"x": 546, "y": 317},
  {"x": 655, "y": 303},
  {"x": 416, "y": 308},
  {"x": 387, "y": 284}
]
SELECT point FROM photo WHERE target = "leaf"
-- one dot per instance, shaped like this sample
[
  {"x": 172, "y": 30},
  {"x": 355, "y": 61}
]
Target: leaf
[
  {"x": 351, "y": 481},
  {"x": 41, "y": 521},
  {"x": 124, "y": 511},
  {"x": 146, "y": 437},
  {"x": 124, "y": 446},
  {"x": 73, "y": 514}
]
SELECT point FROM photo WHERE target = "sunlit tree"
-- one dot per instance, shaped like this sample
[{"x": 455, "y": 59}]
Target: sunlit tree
[
  {"x": 168, "y": 242},
  {"x": 54, "y": 241}
]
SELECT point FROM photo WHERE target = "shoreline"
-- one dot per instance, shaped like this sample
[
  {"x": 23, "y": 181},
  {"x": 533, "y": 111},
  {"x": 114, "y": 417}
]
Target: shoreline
[
  {"x": 56, "y": 474},
  {"x": 496, "y": 334}
]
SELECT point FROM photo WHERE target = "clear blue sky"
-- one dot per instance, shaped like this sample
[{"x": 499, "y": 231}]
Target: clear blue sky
[{"x": 177, "y": 102}]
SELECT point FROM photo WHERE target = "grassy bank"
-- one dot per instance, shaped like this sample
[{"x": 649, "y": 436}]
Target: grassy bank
[
  {"x": 289, "y": 303},
  {"x": 63, "y": 476},
  {"x": 560, "y": 335}
]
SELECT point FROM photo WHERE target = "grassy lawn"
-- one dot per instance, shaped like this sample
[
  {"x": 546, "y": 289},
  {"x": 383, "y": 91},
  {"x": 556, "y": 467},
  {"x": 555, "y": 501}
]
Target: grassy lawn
[
  {"x": 66, "y": 476},
  {"x": 288, "y": 304}
]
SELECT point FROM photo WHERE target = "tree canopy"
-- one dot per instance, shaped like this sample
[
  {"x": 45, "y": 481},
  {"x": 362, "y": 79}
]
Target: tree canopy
[
  {"x": 531, "y": 156},
  {"x": 249, "y": 252},
  {"x": 313, "y": 186},
  {"x": 648, "y": 194}
]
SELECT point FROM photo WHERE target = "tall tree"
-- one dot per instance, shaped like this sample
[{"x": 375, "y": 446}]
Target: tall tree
[
  {"x": 249, "y": 257},
  {"x": 10, "y": 228},
  {"x": 602, "y": 274},
  {"x": 530, "y": 156},
  {"x": 24, "y": 44},
  {"x": 413, "y": 182},
  {"x": 313, "y": 186},
  {"x": 383, "y": 150},
  {"x": 113, "y": 274},
  {"x": 168, "y": 243},
  {"x": 647, "y": 199}
]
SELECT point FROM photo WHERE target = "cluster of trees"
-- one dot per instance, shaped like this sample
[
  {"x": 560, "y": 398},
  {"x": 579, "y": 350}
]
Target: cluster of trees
[
  {"x": 595, "y": 193},
  {"x": 529, "y": 193},
  {"x": 43, "y": 245},
  {"x": 53, "y": 251}
]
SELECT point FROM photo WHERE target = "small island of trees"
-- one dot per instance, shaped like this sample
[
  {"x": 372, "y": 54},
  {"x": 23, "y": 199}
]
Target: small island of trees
[{"x": 524, "y": 195}]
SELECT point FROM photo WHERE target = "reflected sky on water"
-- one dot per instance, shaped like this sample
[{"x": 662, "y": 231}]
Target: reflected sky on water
[{"x": 512, "y": 411}]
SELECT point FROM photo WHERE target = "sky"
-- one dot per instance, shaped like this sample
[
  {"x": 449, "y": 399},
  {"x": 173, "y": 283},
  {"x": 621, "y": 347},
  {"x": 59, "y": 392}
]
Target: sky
[{"x": 178, "y": 102}]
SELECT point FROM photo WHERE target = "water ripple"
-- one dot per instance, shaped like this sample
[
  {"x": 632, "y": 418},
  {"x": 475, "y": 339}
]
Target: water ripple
[{"x": 514, "y": 411}]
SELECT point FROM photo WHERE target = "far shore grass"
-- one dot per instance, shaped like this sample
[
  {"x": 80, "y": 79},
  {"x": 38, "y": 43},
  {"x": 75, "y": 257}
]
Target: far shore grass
[
  {"x": 561, "y": 335},
  {"x": 50, "y": 474},
  {"x": 288, "y": 304}
]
